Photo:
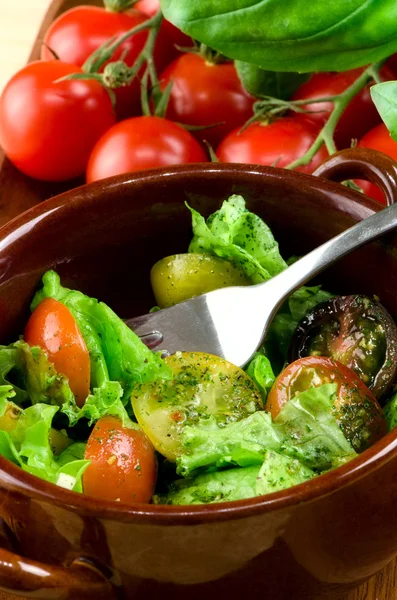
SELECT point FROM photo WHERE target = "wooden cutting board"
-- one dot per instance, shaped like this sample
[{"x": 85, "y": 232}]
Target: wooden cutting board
[{"x": 18, "y": 25}]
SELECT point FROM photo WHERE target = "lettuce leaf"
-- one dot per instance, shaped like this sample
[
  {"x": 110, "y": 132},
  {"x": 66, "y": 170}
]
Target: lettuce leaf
[
  {"x": 390, "y": 412},
  {"x": 28, "y": 446},
  {"x": 8, "y": 364},
  {"x": 279, "y": 472},
  {"x": 241, "y": 237},
  {"x": 116, "y": 353},
  {"x": 310, "y": 431},
  {"x": 45, "y": 385},
  {"x": 242, "y": 443},
  {"x": 305, "y": 429},
  {"x": 261, "y": 371},
  {"x": 276, "y": 473},
  {"x": 237, "y": 235},
  {"x": 288, "y": 318},
  {"x": 222, "y": 486}
]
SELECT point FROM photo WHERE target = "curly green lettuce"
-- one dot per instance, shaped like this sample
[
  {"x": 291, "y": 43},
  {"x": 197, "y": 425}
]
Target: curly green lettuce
[
  {"x": 305, "y": 429},
  {"x": 243, "y": 238},
  {"x": 116, "y": 353},
  {"x": 27, "y": 445}
]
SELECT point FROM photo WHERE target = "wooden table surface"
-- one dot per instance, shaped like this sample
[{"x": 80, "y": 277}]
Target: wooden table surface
[{"x": 19, "y": 22}]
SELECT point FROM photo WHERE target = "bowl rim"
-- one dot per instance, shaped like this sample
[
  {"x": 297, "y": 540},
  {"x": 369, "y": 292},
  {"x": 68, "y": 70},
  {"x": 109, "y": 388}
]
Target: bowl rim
[{"x": 14, "y": 479}]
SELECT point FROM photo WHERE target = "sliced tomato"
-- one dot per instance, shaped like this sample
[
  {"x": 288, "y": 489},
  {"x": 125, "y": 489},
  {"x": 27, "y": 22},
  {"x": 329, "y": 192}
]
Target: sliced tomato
[
  {"x": 203, "y": 385},
  {"x": 358, "y": 332},
  {"x": 53, "y": 327},
  {"x": 356, "y": 409},
  {"x": 123, "y": 463}
]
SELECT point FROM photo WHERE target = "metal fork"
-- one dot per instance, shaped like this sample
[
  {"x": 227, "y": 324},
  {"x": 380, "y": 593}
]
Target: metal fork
[{"x": 233, "y": 322}]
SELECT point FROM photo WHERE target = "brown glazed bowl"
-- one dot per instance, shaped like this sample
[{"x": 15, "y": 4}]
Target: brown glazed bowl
[{"x": 316, "y": 540}]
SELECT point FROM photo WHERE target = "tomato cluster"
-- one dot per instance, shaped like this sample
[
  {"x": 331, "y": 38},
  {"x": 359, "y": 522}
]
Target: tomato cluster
[{"x": 54, "y": 128}]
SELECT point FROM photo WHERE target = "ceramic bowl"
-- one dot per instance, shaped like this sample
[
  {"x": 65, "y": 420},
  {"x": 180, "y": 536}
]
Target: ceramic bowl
[{"x": 316, "y": 540}]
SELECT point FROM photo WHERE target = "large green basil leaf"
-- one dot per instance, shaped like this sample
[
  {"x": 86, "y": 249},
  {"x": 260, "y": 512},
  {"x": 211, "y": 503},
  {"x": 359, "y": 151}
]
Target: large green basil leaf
[
  {"x": 384, "y": 96},
  {"x": 291, "y": 35},
  {"x": 260, "y": 83}
]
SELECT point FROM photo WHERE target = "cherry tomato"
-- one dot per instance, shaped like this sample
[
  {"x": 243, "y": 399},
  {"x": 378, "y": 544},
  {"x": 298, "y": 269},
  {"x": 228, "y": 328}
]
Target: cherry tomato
[
  {"x": 358, "y": 413},
  {"x": 204, "y": 94},
  {"x": 78, "y": 32},
  {"x": 182, "y": 276},
  {"x": 203, "y": 385},
  {"x": 178, "y": 38},
  {"x": 278, "y": 144},
  {"x": 142, "y": 143},
  {"x": 48, "y": 129},
  {"x": 123, "y": 463},
  {"x": 380, "y": 139},
  {"x": 53, "y": 327},
  {"x": 360, "y": 115},
  {"x": 356, "y": 331},
  {"x": 392, "y": 63}
]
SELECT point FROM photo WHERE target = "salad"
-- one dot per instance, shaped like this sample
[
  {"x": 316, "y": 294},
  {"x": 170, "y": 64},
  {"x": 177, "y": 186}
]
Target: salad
[{"x": 85, "y": 405}]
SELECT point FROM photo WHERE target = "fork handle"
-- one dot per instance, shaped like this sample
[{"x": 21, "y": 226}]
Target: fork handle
[{"x": 300, "y": 272}]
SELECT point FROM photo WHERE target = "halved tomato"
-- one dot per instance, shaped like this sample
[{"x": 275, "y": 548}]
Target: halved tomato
[
  {"x": 182, "y": 276},
  {"x": 203, "y": 386},
  {"x": 356, "y": 409}
]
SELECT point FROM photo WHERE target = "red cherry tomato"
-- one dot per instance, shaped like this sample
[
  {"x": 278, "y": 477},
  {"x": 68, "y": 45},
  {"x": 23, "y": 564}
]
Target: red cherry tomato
[
  {"x": 53, "y": 327},
  {"x": 48, "y": 129},
  {"x": 278, "y": 144},
  {"x": 204, "y": 94},
  {"x": 178, "y": 38},
  {"x": 392, "y": 63},
  {"x": 78, "y": 32},
  {"x": 356, "y": 409},
  {"x": 360, "y": 115},
  {"x": 123, "y": 463},
  {"x": 142, "y": 143},
  {"x": 380, "y": 139}
]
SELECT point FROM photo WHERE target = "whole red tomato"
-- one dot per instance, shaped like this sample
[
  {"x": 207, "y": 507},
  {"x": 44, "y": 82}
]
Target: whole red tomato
[
  {"x": 178, "y": 38},
  {"x": 78, "y": 32},
  {"x": 278, "y": 143},
  {"x": 204, "y": 94},
  {"x": 380, "y": 139},
  {"x": 48, "y": 129},
  {"x": 142, "y": 143},
  {"x": 360, "y": 115},
  {"x": 392, "y": 63}
]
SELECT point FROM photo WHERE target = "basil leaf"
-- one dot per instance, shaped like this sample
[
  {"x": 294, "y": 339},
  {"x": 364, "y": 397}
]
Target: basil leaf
[
  {"x": 384, "y": 96},
  {"x": 291, "y": 35},
  {"x": 260, "y": 83}
]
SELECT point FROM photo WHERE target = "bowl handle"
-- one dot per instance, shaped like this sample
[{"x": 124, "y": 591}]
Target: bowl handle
[
  {"x": 362, "y": 163},
  {"x": 80, "y": 581}
]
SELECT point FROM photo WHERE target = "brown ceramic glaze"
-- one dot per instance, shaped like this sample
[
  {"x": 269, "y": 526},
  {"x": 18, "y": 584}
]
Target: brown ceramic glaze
[{"x": 317, "y": 540}]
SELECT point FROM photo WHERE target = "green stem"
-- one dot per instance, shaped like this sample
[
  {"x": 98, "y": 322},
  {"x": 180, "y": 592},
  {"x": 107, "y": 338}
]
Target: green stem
[
  {"x": 118, "y": 5},
  {"x": 146, "y": 55},
  {"x": 105, "y": 52},
  {"x": 326, "y": 135}
]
